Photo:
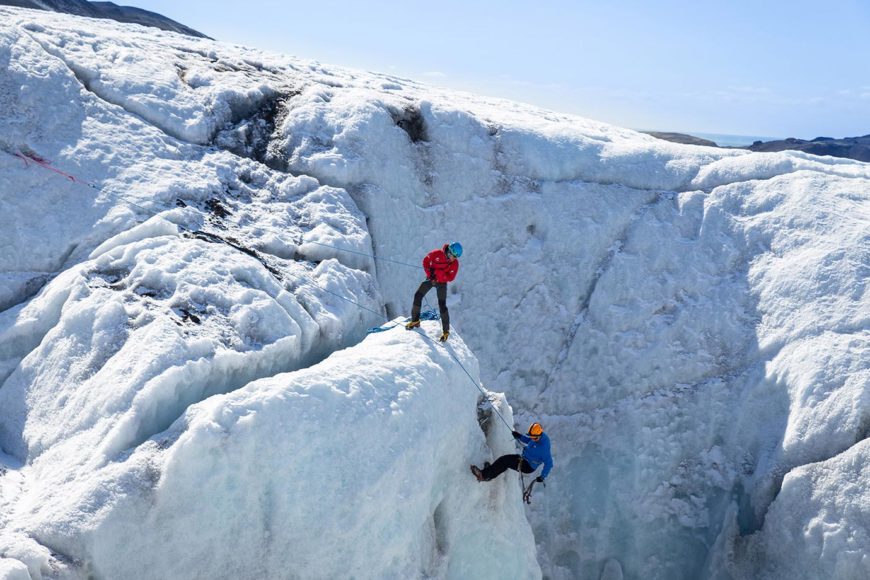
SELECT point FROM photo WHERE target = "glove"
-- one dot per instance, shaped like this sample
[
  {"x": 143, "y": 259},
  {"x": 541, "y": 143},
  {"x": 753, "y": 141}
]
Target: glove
[
  {"x": 540, "y": 479},
  {"x": 516, "y": 434},
  {"x": 432, "y": 274}
]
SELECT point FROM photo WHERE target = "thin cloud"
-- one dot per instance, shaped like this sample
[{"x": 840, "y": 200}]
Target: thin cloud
[{"x": 750, "y": 90}]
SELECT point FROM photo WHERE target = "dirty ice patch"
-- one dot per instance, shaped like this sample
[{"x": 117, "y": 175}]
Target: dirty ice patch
[
  {"x": 154, "y": 326},
  {"x": 189, "y": 93}
]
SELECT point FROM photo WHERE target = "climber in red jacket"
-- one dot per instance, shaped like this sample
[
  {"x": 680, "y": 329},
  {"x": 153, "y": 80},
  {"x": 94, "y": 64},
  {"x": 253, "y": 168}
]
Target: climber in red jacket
[{"x": 441, "y": 267}]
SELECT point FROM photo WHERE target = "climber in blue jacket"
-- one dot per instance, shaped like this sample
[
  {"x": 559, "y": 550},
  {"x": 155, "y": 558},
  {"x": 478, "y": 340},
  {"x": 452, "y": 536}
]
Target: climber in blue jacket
[{"x": 535, "y": 453}]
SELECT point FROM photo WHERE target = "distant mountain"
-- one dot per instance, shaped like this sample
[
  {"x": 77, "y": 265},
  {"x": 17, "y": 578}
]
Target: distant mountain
[
  {"x": 108, "y": 10},
  {"x": 857, "y": 148},
  {"x": 681, "y": 138}
]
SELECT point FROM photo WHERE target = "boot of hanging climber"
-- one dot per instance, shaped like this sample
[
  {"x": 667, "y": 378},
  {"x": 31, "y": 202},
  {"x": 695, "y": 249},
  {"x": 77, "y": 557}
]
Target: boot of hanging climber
[
  {"x": 477, "y": 473},
  {"x": 444, "y": 336},
  {"x": 412, "y": 324}
]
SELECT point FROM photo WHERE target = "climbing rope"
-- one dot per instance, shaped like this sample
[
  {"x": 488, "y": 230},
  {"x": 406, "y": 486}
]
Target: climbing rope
[
  {"x": 348, "y": 250},
  {"x": 424, "y": 315},
  {"x": 29, "y": 156},
  {"x": 481, "y": 389},
  {"x": 434, "y": 317}
]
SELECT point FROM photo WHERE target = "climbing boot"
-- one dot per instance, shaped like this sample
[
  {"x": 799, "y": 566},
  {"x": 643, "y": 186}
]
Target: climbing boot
[
  {"x": 412, "y": 324},
  {"x": 444, "y": 336},
  {"x": 477, "y": 472}
]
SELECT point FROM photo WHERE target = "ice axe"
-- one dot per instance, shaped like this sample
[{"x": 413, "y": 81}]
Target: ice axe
[{"x": 527, "y": 492}]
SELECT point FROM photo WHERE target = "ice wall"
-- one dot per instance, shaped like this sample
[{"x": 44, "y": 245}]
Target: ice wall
[{"x": 689, "y": 323}]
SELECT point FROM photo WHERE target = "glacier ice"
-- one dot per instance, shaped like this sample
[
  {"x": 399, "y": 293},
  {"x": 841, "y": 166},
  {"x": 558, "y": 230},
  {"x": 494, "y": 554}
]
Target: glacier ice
[{"x": 689, "y": 324}]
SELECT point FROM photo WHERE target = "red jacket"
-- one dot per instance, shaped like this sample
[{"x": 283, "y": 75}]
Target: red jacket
[{"x": 436, "y": 266}]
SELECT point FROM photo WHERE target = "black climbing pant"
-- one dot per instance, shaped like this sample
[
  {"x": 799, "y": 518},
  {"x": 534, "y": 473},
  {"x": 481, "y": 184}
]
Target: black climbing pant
[
  {"x": 506, "y": 462},
  {"x": 442, "y": 302}
]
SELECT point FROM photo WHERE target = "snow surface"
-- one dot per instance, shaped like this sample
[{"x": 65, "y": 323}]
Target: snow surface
[{"x": 186, "y": 388}]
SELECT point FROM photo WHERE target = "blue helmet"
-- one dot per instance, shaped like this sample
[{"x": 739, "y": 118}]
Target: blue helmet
[{"x": 455, "y": 249}]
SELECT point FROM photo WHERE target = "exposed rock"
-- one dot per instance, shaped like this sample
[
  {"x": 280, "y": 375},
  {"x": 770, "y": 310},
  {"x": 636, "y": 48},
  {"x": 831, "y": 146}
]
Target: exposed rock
[
  {"x": 681, "y": 138},
  {"x": 107, "y": 10},
  {"x": 857, "y": 148}
]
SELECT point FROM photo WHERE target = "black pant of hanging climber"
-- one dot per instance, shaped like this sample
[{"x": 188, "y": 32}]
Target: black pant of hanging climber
[
  {"x": 504, "y": 463},
  {"x": 442, "y": 302}
]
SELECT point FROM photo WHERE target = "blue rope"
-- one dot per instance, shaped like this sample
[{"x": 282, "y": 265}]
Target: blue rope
[
  {"x": 381, "y": 314},
  {"x": 430, "y": 315},
  {"x": 375, "y": 329},
  {"x": 425, "y": 315}
]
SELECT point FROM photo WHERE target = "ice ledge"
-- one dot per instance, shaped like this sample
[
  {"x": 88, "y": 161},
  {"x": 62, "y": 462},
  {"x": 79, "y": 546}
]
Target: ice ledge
[{"x": 358, "y": 463}]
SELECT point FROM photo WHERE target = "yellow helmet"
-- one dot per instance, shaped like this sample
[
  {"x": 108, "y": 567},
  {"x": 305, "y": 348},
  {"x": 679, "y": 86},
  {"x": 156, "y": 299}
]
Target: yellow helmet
[{"x": 535, "y": 430}]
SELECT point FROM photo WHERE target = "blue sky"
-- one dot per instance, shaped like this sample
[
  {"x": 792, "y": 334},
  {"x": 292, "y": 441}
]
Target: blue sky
[{"x": 772, "y": 68}]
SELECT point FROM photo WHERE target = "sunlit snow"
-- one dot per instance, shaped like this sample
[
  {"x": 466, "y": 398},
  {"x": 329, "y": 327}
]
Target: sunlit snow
[{"x": 189, "y": 390}]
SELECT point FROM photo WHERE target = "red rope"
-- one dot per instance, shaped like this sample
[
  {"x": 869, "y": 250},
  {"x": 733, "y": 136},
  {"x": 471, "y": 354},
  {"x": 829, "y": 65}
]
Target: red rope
[
  {"x": 27, "y": 156},
  {"x": 45, "y": 164}
]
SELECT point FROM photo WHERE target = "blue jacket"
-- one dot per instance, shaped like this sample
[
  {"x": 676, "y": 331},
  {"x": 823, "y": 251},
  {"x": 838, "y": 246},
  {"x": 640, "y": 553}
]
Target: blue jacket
[{"x": 538, "y": 452}]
